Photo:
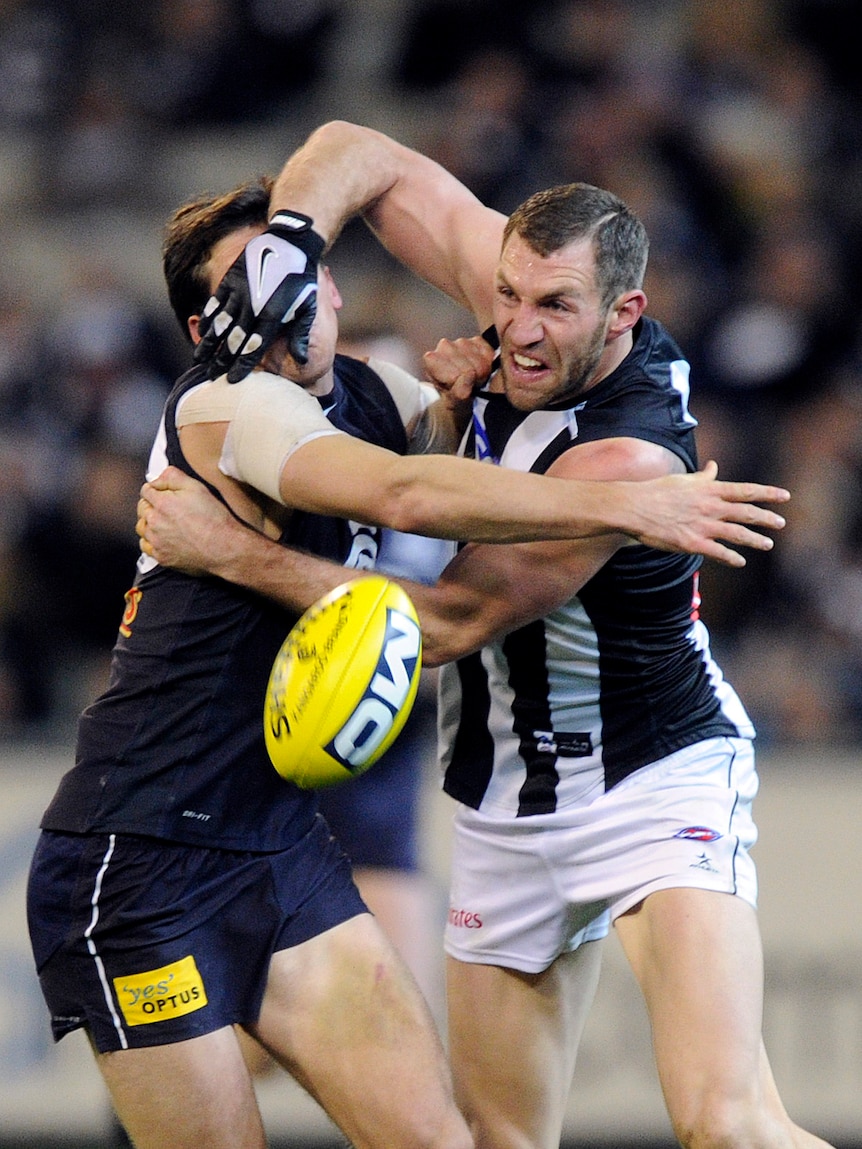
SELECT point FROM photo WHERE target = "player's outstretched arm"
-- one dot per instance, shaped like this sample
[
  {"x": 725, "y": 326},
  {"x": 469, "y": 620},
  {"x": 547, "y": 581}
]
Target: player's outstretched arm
[
  {"x": 182, "y": 525},
  {"x": 456, "y": 498},
  {"x": 303, "y": 463},
  {"x": 484, "y": 591}
]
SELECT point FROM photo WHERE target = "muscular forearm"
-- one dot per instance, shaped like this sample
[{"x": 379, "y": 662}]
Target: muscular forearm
[
  {"x": 425, "y": 217},
  {"x": 203, "y": 538},
  {"x": 455, "y": 498},
  {"x": 477, "y": 599},
  {"x": 181, "y": 524},
  {"x": 444, "y": 496},
  {"x": 338, "y": 172},
  {"x": 294, "y": 579},
  {"x": 451, "y": 623},
  {"x": 465, "y": 501}
]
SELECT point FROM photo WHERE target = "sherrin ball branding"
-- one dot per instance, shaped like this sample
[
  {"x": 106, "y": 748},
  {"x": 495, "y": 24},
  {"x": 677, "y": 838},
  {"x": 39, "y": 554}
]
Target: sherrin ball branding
[{"x": 343, "y": 684}]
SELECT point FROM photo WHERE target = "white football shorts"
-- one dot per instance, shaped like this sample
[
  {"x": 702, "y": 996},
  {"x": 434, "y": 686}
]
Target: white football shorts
[{"x": 525, "y": 890}]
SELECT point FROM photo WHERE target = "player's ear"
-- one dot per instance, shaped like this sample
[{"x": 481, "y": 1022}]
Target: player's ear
[
  {"x": 330, "y": 286},
  {"x": 625, "y": 312},
  {"x": 192, "y": 324}
]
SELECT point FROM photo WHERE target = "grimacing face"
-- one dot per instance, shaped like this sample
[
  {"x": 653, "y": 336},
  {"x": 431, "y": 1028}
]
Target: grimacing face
[
  {"x": 324, "y": 331},
  {"x": 552, "y": 325}
]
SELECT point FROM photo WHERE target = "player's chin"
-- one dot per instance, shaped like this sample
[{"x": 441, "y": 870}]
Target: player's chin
[
  {"x": 529, "y": 390},
  {"x": 278, "y": 360},
  {"x": 308, "y": 373},
  {"x": 287, "y": 367},
  {"x": 528, "y": 398}
]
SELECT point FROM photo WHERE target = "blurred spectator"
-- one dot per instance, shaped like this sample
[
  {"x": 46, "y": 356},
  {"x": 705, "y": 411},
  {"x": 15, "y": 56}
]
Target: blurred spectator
[
  {"x": 485, "y": 137},
  {"x": 107, "y": 379},
  {"x": 783, "y": 330},
  {"x": 226, "y": 61},
  {"x": 98, "y": 151},
  {"x": 287, "y": 49},
  {"x": 40, "y": 62},
  {"x": 80, "y": 409},
  {"x": 441, "y": 37},
  {"x": 182, "y": 67},
  {"x": 819, "y": 564},
  {"x": 67, "y": 577}
]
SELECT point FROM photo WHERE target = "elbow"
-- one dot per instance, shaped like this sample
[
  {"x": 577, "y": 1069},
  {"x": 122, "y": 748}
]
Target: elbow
[
  {"x": 400, "y": 516},
  {"x": 433, "y": 655},
  {"x": 404, "y": 508},
  {"x": 437, "y": 650},
  {"x": 448, "y": 638}
]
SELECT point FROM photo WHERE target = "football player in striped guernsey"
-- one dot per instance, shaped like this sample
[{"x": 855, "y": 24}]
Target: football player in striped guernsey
[{"x": 603, "y": 768}]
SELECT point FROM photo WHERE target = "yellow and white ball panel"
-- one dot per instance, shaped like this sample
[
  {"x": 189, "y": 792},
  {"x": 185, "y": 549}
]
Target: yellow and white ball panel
[{"x": 343, "y": 684}]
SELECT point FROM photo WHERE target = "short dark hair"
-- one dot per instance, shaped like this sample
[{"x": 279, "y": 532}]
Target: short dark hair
[
  {"x": 192, "y": 232},
  {"x": 552, "y": 218}
]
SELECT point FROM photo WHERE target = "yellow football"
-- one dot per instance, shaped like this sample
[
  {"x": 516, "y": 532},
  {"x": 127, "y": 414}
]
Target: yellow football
[{"x": 343, "y": 684}]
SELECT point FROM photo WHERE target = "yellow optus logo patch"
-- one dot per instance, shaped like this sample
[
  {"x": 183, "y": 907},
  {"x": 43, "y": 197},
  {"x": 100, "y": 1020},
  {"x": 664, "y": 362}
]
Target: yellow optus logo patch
[{"x": 159, "y": 994}]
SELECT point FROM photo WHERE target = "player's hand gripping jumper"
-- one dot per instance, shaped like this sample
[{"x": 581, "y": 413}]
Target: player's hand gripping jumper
[{"x": 269, "y": 290}]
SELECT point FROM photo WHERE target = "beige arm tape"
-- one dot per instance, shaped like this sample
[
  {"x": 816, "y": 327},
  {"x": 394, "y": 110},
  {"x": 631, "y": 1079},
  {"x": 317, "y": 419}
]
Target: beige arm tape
[
  {"x": 420, "y": 409},
  {"x": 269, "y": 418}
]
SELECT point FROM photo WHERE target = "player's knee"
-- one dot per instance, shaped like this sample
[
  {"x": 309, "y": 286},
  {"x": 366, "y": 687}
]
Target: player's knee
[
  {"x": 495, "y": 1129},
  {"x": 448, "y": 1132},
  {"x": 719, "y": 1125},
  {"x": 460, "y": 1136}
]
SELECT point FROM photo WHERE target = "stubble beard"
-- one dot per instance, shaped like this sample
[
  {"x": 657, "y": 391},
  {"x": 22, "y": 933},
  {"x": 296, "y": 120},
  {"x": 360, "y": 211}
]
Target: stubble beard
[{"x": 580, "y": 377}]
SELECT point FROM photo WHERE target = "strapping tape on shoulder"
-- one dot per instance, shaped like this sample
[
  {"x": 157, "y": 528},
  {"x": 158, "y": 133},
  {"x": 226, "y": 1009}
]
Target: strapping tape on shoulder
[{"x": 272, "y": 418}]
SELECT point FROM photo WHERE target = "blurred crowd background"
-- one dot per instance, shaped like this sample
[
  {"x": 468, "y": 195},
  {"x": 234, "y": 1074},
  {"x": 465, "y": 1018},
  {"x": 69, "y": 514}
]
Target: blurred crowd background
[{"x": 732, "y": 128}]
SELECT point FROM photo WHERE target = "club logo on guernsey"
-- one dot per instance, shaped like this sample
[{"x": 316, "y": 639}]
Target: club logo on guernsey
[
  {"x": 159, "y": 994},
  {"x": 133, "y": 601},
  {"x": 698, "y": 834},
  {"x": 387, "y": 692}
]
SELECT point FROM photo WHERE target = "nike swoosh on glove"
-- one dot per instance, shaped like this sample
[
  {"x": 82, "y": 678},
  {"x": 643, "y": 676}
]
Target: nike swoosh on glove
[{"x": 268, "y": 291}]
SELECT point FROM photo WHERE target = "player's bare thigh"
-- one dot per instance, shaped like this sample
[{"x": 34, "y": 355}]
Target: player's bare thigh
[
  {"x": 698, "y": 959},
  {"x": 518, "y": 1100},
  {"x": 343, "y": 1014},
  {"x": 697, "y": 956},
  {"x": 185, "y": 1094}
]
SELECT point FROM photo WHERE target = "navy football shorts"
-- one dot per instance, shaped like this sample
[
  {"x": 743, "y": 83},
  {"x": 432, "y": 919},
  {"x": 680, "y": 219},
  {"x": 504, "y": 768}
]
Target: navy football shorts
[{"x": 144, "y": 942}]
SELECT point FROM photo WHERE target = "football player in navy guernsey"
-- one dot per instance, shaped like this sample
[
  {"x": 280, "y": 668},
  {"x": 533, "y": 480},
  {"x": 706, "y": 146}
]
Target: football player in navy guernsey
[
  {"x": 180, "y": 887},
  {"x": 603, "y": 768}
]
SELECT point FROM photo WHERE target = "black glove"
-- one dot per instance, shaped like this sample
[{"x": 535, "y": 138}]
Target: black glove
[{"x": 273, "y": 283}]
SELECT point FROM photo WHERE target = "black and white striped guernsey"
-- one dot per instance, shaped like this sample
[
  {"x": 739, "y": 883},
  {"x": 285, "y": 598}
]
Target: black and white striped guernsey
[{"x": 619, "y": 676}]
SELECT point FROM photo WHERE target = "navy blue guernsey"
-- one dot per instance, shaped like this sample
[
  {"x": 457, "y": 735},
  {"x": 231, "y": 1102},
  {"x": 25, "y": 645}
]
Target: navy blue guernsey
[
  {"x": 619, "y": 676},
  {"x": 174, "y": 748}
]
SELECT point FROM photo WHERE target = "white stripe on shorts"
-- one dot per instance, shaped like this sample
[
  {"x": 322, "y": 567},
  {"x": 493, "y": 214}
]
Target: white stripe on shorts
[{"x": 91, "y": 945}]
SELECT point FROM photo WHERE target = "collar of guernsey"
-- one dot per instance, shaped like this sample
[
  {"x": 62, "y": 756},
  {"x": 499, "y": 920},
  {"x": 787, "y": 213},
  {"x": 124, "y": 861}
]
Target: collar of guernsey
[{"x": 483, "y": 452}]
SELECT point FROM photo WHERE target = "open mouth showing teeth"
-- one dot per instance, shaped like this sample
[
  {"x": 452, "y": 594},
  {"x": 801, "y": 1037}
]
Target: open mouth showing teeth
[{"x": 526, "y": 361}]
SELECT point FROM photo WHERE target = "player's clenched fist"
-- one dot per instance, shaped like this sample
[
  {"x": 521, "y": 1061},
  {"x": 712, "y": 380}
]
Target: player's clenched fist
[
  {"x": 457, "y": 367},
  {"x": 269, "y": 290}
]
